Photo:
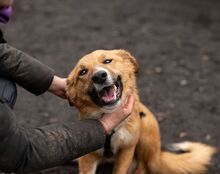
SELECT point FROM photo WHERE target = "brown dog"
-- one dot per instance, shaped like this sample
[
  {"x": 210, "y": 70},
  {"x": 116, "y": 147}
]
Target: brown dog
[{"x": 97, "y": 85}]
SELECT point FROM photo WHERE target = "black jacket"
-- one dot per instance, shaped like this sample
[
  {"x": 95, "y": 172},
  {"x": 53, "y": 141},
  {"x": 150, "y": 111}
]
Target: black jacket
[{"x": 25, "y": 150}]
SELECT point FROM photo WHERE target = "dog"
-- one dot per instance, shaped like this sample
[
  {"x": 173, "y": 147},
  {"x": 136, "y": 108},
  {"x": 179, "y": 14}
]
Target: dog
[{"x": 98, "y": 84}]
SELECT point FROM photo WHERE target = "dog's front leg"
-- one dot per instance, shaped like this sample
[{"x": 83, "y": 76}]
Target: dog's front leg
[
  {"x": 123, "y": 160},
  {"x": 88, "y": 163},
  {"x": 141, "y": 169}
]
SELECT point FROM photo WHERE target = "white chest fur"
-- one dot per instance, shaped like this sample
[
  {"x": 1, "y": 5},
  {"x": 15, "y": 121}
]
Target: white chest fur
[{"x": 121, "y": 137}]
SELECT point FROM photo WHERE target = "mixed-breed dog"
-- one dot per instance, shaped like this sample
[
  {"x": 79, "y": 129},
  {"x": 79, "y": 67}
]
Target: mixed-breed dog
[{"x": 98, "y": 84}]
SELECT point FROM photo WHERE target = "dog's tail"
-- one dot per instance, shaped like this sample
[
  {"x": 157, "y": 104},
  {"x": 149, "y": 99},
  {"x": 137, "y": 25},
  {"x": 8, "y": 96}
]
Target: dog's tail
[{"x": 191, "y": 158}]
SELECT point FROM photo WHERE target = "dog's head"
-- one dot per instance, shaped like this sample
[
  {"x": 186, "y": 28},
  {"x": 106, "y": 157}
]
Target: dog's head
[{"x": 100, "y": 80}]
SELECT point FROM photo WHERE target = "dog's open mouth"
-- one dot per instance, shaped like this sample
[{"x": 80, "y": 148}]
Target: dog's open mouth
[{"x": 109, "y": 95}]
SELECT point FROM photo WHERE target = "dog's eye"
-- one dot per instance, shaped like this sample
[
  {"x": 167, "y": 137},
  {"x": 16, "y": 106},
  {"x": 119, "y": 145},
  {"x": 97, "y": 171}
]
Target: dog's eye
[
  {"x": 83, "y": 72},
  {"x": 107, "y": 61}
]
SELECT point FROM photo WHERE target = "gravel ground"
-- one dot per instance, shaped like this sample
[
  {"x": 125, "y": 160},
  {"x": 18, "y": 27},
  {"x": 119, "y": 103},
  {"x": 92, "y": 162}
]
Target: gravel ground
[{"x": 176, "y": 42}]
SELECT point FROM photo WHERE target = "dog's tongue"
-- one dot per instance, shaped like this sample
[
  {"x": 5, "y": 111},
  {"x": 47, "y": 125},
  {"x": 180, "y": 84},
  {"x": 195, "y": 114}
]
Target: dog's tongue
[{"x": 109, "y": 94}]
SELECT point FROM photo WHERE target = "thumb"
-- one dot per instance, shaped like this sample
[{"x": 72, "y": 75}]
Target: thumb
[{"x": 128, "y": 106}]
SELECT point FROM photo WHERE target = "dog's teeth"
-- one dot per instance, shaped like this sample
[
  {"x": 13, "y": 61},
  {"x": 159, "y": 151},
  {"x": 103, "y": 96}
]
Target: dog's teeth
[{"x": 115, "y": 88}]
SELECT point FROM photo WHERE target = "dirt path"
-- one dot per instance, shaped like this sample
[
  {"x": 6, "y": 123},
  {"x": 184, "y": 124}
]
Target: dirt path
[{"x": 176, "y": 42}]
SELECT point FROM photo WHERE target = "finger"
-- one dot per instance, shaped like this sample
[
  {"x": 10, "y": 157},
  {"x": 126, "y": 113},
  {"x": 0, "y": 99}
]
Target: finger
[
  {"x": 127, "y": 108},
  {"x": 130, "y": 101}
]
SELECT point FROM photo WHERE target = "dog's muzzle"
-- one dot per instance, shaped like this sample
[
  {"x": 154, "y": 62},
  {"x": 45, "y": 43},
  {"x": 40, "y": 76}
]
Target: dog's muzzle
[{"x": 106, "y": 91}]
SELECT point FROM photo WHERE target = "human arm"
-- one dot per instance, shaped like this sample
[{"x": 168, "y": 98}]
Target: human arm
[
  {"x": 25, "y": 150},
  {"x": 29, "y": 73},
  {"x": 24, "y": 70}
]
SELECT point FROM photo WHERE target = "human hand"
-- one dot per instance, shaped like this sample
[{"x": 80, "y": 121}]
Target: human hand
[
  {"x": 58, "y": 87},
  {"x": 110, "y": 121}
]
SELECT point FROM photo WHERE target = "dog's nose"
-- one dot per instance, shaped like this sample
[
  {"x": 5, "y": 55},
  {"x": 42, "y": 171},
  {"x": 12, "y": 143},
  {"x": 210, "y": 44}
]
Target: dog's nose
[{"x": 99, "y": 77}]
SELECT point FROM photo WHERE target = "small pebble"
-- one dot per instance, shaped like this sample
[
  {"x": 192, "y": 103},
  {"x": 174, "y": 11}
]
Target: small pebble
[
  {"x": 158, "y": 69},
  {"x": 161, "y": 116},
  {"x": 171, "y": 105},
  {"x": 45, "y": 114},
  {"x": 205, "y": 57},
  {"x": 183, "y": 82},
  {"x": 208, "y": 137},
  {"x": 183, "y": 134},
  {"x": 52, "y": 120}
]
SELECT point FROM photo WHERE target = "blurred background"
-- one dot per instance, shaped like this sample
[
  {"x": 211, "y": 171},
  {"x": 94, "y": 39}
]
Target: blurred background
[{"x": 176, "y": 42}]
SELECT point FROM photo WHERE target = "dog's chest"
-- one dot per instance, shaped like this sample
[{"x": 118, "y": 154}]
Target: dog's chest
[{"x": 121, "y": 137}]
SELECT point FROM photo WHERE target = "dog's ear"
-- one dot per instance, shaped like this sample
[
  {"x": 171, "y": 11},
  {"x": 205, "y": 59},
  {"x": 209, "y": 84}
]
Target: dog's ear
[
  {"x": 70, "y": 89},
  {"x": 126, "y": 55}
]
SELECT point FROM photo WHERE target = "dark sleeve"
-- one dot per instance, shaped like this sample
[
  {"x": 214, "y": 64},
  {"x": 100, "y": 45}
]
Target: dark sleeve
[
  {"x": 2, "y": 40},
  {"x": 25, "y": 70},
  {"x": 26, "y": 150}
]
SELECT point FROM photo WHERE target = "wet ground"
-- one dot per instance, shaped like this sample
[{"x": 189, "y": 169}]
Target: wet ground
[{"x": 176, "y": 42}]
